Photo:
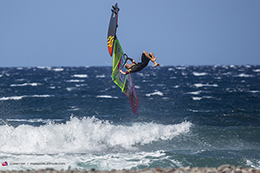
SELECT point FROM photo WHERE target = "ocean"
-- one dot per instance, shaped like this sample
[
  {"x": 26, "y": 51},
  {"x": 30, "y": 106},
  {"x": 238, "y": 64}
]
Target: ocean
[{"x": 76, "y": 118}]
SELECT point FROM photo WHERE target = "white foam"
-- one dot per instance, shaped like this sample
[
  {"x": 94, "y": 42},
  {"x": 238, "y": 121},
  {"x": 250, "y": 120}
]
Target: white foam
[
  {"x": 44, "y": 67},
  {"x": 118, "y": 160},
  {"x": 37, "y": 120},
  {"x": 58, "y": 69},
  {"x": 100, "y": 76},
  {"x": 106, "y": 97},
  {"x": 194, "y": 92},
  {"x": 256, "y": 70},
  {"x": 203, "y": 97},
  {"x": 181, "y": 68},
  {"x": 75, "y": 81},
  {"x": 88, "y": 135},
  {"x": 245, "y": 75},
  {"x": 159, "y": 93},
  {"x": 21, "y": 97},
  {"x": 12, "y": 98},
  {"x": 80, "y": 75},
  {"x": 74, "y": 108},
  {"x": 194, "y": 110},
  {"x": 71, "y": 88},
  {"x": 25, "y": 84},
  {"x": 205, "y": 85},
  {"x": 253, "y": 163},
  {"x": 196, "y": 98},
  {"x": 199, "y": 74},
  {"x": 254, "y": 91},
  {"x": 46, "y": 95}
]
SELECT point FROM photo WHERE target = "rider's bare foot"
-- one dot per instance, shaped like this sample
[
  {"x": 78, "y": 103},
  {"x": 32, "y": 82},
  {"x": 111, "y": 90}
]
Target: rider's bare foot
[{"x": 156, "y": 64}]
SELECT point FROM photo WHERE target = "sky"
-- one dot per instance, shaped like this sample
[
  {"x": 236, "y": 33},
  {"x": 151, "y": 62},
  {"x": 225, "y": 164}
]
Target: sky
[{"x": 178, "y": 32}]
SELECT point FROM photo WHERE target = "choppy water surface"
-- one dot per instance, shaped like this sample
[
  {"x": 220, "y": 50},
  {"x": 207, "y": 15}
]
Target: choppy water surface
[{"x": 73, "y": 117}]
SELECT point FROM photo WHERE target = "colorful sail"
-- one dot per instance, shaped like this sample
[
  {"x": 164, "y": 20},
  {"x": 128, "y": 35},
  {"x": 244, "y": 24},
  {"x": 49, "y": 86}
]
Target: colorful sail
[{"x": 124, "y": 82}]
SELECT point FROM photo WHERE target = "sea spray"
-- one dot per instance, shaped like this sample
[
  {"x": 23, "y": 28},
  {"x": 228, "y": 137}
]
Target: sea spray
[{"x": 85, "y": 135}]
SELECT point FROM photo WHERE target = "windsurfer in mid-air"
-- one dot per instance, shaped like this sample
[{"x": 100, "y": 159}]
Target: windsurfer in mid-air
[{"x": 141, "y": 65}]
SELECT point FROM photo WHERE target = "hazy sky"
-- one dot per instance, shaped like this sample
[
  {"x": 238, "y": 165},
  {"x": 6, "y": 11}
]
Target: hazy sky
[{"x": 179, "y": 32}]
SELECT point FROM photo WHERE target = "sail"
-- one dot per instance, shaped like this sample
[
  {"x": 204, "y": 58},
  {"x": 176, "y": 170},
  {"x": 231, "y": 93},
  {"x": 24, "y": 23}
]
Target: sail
[{"x": 124, "y": 82}]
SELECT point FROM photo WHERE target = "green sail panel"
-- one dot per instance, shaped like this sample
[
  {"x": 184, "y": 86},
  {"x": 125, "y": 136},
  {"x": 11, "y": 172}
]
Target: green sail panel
[{"x": 124, "y": 82}]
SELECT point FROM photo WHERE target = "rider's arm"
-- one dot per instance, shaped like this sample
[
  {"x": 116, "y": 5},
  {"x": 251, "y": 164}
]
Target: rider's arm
[
  {"x": 133, "y": 61},
  {"x": 124, "y": 73}
]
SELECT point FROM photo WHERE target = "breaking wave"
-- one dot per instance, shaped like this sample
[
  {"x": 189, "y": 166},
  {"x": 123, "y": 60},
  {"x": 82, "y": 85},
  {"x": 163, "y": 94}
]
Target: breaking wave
[{"x": 85, "y": 135}]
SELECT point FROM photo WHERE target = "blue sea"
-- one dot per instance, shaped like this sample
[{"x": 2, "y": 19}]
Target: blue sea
[{"x": 76, "y": 118}]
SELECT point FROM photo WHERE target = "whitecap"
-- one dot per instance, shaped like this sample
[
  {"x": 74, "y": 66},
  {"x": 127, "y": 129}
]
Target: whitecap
[
  {"x": 165, "y": 98},
  {"x": 58, "y": 69},
  {"x": 36, "y": 120},
  {"x": 155, "y": 93},
  {"x": 12, "y": 98},
  {"x": 73, "y": 108},
  {"x": 25, "y": 84},
  {"x": 196, "y": 98},
  {"x": 100, "y": 76},
  {"x": 245, "y": 75},
  {"x": 75, "y": 81},
  {"x": 71, "y": 88},
  {"x": 181, "y": 68},
  {"x": 106, "y": 97},
  {"x": 194, "y": 92},
  {"x": 203, "y": 97},
  {"x": 198, "y": 85},
  {"x": 254, "y": 91},
  {"x": 256, "y": 70},
  {"x": 46, "y": 95},
  {"x": 80, "y": 75},
  {"x": 44, "y": 67},
  {"x": 199, "y": 74},
  {"x": 205, "y": 85},
  {"x": 25, "y": 96}
]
